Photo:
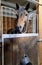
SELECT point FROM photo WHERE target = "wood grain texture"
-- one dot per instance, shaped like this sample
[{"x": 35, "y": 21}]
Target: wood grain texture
[
  {"x": 17, "y": 47},
  {"x": 40, "y": 20},
  {"x": 1, "y": 21},
  {"x": 0, "y": 53},
  {"x": 40, "y": 33},
  {"x": 8, "y": 23},
  {"x": 40, "y": 53}
]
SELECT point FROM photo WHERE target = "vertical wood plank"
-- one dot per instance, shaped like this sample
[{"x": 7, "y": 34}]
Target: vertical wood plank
[
  {"x": 8, "y": 23},
  {"x": 40, "y": 53},
  {"x": 1, "y": 20},
  {"x": 40, "y": 33},
  {"x": 40, "y": 20},
  {"x": 5, "y": 24},
  {"x": 0, "y": 53}
]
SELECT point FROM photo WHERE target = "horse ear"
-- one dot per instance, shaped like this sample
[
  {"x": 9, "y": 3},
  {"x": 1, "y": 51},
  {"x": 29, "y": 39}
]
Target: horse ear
[
  {"x": 27, "y": 6},
  {"x": 17, "y": 6}
]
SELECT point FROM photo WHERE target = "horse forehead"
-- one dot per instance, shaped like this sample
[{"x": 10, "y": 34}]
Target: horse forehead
[{"x": 22, "y": 11}]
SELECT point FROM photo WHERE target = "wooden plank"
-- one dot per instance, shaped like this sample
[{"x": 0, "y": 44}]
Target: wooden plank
[
  {"x": 1, "y": 21},
  {"x": 0, "y": 53},
  {"x": 8, "y": 23},
  {"x": 9, "y": 4},
  {"x": 16, "y": 49},
  {"x": 5, "y": 24},
  {"x": 9, "y": 12},
  {"x": 13, "y": 22},
  {"x": 40, "y": 34},
  {"x": 40, "y": 20},
  {"x": 40, "y": 53}
]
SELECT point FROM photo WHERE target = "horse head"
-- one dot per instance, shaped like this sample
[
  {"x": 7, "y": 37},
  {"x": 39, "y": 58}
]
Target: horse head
[{"x": 22, "y": 18}]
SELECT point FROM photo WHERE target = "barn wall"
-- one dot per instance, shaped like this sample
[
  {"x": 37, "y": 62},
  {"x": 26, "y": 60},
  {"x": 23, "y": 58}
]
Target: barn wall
[
  {"x": 40, "y": 53},
  {"x": 8, "y": 18},
  {"x": 1, "y": 20},
  {"x": 40, "y": 33},
  {"x": 40, "y": 20},
  {"x": 0, "y": 35},
  {"x": 8, "y": 23},
  {"x": 0, "y": 53}
]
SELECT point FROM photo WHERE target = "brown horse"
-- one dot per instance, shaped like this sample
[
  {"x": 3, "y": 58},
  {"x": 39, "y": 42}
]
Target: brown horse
[{"x": 22, "y": 20}]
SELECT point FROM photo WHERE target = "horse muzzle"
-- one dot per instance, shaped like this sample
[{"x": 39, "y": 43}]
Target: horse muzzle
[{"x": 17, "y": 29}]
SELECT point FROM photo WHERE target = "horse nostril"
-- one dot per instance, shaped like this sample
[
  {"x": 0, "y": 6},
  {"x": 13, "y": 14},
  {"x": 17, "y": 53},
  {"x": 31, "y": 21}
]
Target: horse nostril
[
  {"x": 17, "y": 28},
  {"x": 26, "y": 14}
]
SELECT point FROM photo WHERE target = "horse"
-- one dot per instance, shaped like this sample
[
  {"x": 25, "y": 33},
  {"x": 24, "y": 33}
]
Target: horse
[{"x": 22, "y": 20}]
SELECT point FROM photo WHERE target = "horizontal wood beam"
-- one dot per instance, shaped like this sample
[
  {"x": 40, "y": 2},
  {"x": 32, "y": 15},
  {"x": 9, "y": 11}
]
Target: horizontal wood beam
[{"x": 11, "y": 5}]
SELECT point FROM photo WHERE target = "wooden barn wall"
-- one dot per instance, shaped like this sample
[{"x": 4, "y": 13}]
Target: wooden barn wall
[
  {"x": 0, "y": 53},
  {"x": 40, "y": 33},
  {"x": 8, "y": 23},
  {"x": 1, "y": 21},
  {"x": 40, "y": 53},
  {"x": 40, "y": 20}
]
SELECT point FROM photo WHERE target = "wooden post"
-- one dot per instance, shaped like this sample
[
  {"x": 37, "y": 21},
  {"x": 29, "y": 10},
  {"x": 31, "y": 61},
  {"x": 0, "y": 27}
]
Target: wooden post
[
  {"x": 40, "y": 33},
  {"x": 1, "y": 18},
  {"x": 40, "y": 20}
]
